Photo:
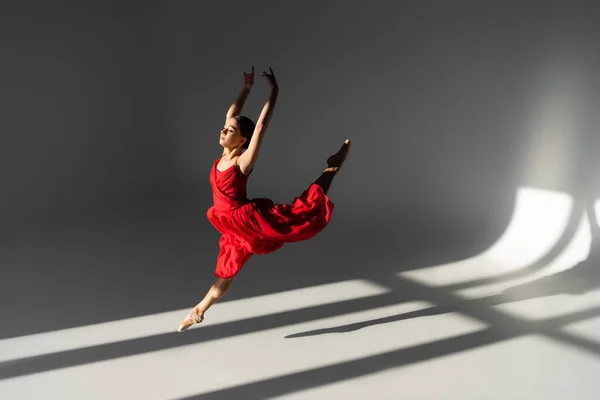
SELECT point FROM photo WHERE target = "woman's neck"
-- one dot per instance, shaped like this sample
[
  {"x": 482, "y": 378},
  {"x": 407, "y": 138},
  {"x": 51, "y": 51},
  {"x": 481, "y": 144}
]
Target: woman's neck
[{"x": 231, "y": 154}]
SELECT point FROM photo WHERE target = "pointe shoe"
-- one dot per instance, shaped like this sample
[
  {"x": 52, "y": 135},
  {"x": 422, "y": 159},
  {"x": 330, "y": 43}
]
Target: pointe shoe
[
  {"x": 335, "y": 162},
  {"x": 192, "y": 318}
]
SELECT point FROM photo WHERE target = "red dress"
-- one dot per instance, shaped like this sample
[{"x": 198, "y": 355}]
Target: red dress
[{"x": 258, "y": 225}]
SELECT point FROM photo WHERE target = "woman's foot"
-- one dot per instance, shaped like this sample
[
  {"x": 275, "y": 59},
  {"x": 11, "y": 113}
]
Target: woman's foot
[
  {"x": 335, "y": 162},
  {"x": 193, "y": 317}
]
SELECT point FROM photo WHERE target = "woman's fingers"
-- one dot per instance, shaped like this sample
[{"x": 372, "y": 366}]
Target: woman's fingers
[{"x": 270, "y": 73}]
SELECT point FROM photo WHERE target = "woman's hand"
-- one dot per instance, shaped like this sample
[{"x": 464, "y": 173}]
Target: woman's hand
[
  {"x": 271, "y": 78},
  {"x": 249, "y": 79}
]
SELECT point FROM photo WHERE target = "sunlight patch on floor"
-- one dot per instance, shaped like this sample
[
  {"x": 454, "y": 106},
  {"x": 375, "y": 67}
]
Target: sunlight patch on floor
[
  {"x": 538, "y": 221},
  {"x": 588, "y": 329},
  {"x": 156, "y": 324},
  {"x": 560, "y": 305},
  {"x": 243, "y": 359},
  {"x": 576, "y": 251},
  {"x": 524, "y": 368}
]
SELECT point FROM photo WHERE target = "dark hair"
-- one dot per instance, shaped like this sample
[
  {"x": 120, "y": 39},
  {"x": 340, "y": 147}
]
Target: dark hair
[{"x": 246, "y": 129}]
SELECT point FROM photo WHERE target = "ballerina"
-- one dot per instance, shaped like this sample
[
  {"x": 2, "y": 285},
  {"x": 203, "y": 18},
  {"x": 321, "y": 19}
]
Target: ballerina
[{"x": 258, "y": 225}]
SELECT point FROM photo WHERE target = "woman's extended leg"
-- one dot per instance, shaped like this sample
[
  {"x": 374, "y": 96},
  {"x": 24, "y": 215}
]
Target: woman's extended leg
[
  {"x": 216, "y": 292},
  {"x": 334, "y": 163},
  {"x": 232, "y": 257}
]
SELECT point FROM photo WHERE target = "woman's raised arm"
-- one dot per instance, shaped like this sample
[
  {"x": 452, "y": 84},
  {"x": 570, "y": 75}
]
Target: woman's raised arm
[
  {"x": 248, "y": 159},
  {"x": 238, "y": 105}
]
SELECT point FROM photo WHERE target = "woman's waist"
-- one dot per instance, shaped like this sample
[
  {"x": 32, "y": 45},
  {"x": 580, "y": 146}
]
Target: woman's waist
[
  {"x": 228, "y": 207},
  {"x": 229, "y": 203}
]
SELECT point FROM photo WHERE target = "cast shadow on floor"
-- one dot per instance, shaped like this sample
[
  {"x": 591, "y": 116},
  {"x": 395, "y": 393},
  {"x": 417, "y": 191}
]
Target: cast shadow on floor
[{"x": 579, "y": 279}]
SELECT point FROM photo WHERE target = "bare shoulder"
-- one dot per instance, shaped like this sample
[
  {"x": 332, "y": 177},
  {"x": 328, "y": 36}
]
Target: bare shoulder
[{"x": 245, "y": 164}]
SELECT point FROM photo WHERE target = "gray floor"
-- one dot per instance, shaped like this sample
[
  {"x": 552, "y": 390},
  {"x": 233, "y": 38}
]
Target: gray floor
[{"x": 97, "y": 308}]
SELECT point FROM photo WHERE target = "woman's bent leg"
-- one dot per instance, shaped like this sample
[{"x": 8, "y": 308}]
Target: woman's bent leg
[{"x": 334, "y": 163}]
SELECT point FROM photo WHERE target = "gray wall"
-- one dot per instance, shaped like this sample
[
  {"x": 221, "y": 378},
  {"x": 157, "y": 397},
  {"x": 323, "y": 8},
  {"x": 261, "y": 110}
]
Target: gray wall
[
  {"x": 108, "y": 104},
  {"x": 82, "y": 121},
  {"x": 451, "y": 105}
]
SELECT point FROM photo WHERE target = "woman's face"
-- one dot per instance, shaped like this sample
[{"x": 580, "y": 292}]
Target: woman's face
[{"x": 231, "y": 137}]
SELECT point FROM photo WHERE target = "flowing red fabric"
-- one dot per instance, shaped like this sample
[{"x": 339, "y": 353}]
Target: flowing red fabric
[{"x": 258, "y": 225}]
